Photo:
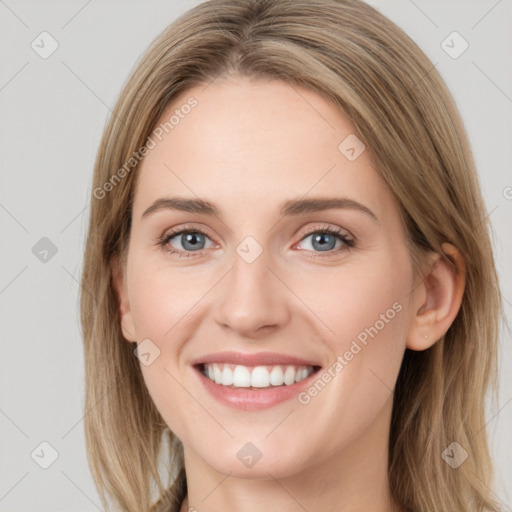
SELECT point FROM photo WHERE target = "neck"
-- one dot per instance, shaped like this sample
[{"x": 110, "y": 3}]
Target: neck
[{"x": 351, "y": 480}]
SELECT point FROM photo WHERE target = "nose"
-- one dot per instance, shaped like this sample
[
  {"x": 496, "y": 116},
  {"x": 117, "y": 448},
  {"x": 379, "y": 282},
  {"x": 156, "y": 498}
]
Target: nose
[{"x": 253, "y": 300}]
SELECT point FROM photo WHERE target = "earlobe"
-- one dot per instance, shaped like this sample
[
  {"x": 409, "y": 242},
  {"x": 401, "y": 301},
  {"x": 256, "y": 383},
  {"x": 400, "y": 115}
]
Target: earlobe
[
  {"x": 437, "y": 300},
  {"x": 125, "y": 314}
]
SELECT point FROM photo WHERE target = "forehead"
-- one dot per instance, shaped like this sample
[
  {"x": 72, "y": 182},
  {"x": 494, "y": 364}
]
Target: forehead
[{"x": 244, "y": 141}]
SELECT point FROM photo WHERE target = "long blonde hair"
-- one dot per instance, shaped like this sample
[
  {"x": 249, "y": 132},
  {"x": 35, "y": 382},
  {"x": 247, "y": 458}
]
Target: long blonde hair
[{"x": 352, "y": 55}]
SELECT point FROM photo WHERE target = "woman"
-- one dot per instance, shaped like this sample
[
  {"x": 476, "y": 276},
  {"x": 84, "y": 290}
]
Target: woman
[{"x": 289, "y": 288}]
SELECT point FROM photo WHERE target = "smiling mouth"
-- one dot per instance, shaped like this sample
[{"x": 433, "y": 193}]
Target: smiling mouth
[{"x": 236, "y": 376}]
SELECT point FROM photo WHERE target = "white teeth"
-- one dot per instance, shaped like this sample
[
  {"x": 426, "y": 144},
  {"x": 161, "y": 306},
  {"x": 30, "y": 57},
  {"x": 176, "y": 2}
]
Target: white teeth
[
  {"x": 276, "y": 376},
  {"x": 301, "y": 374},
  {"x": 239, "y": 376},
  {"x": 227, "y": 376},
  {"x": 217, "y": 375},
  {"x": 289, "y": 375},
  {"x": 260, "y": 378}
]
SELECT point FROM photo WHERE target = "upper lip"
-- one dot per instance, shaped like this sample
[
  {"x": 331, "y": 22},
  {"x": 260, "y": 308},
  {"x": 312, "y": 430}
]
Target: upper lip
[{"x": 256, "y": 359}]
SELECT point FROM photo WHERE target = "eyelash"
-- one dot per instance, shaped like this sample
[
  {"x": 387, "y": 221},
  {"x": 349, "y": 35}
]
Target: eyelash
[{"x": 348, "y": 242}]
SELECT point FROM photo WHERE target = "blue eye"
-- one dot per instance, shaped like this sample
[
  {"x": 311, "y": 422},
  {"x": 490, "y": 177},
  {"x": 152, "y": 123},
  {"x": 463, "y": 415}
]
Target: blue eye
[
  {"x": 323, "y": 241},
  {"x": 190, "y": 240},
  {"x": 326, "y": 240}
]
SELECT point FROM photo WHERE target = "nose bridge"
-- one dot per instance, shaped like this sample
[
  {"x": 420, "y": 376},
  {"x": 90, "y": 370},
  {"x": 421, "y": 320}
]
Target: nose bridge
[{"x": 252, "y": 296}]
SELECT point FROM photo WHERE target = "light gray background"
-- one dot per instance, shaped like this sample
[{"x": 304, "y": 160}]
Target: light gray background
[{"x": 52, "y": 115}]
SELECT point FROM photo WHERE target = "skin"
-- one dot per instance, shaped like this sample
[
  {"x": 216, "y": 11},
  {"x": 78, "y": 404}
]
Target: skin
[{"x": 248, "y": 146}]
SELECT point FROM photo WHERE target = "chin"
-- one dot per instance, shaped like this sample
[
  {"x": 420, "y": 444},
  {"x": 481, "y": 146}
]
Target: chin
[{"x": 250, "y": 462}]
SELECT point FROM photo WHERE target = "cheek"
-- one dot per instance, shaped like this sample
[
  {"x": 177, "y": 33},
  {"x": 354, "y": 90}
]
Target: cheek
[
  {"x": 365, "y": 313},
  {"x": 165, "y": 310},
  {"x": 362, "y": 301},
  {"x": 368, "y": 311},
  {"x": 162, "y": 296}
]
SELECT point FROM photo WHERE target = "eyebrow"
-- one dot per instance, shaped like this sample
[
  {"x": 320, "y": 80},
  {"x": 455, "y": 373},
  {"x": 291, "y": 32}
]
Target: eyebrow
[{"x": 292, "y": 207}]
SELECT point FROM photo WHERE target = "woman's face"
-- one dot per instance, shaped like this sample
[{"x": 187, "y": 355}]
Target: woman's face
[{"x": 275, "y": 279}]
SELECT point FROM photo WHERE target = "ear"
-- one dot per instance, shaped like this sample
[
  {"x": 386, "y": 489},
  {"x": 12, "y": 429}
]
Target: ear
[
  {"x": 437, "y": 299},
  {"x": 125, "y": 314}
]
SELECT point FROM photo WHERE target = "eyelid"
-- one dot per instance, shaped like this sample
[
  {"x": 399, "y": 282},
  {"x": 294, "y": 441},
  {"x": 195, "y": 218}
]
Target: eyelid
[
  {"x": 186, "y": 228},
  {"x": 344, "y": 235},
  {"x": 327, "y": 227},
  {"x": 163, "y": 240},
  {"x": 347, "y": 239}
]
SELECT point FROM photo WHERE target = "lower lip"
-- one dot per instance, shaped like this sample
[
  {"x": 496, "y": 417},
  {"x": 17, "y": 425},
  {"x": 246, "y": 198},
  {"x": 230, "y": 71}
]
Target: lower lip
[{"x": 251, "y": 399}]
